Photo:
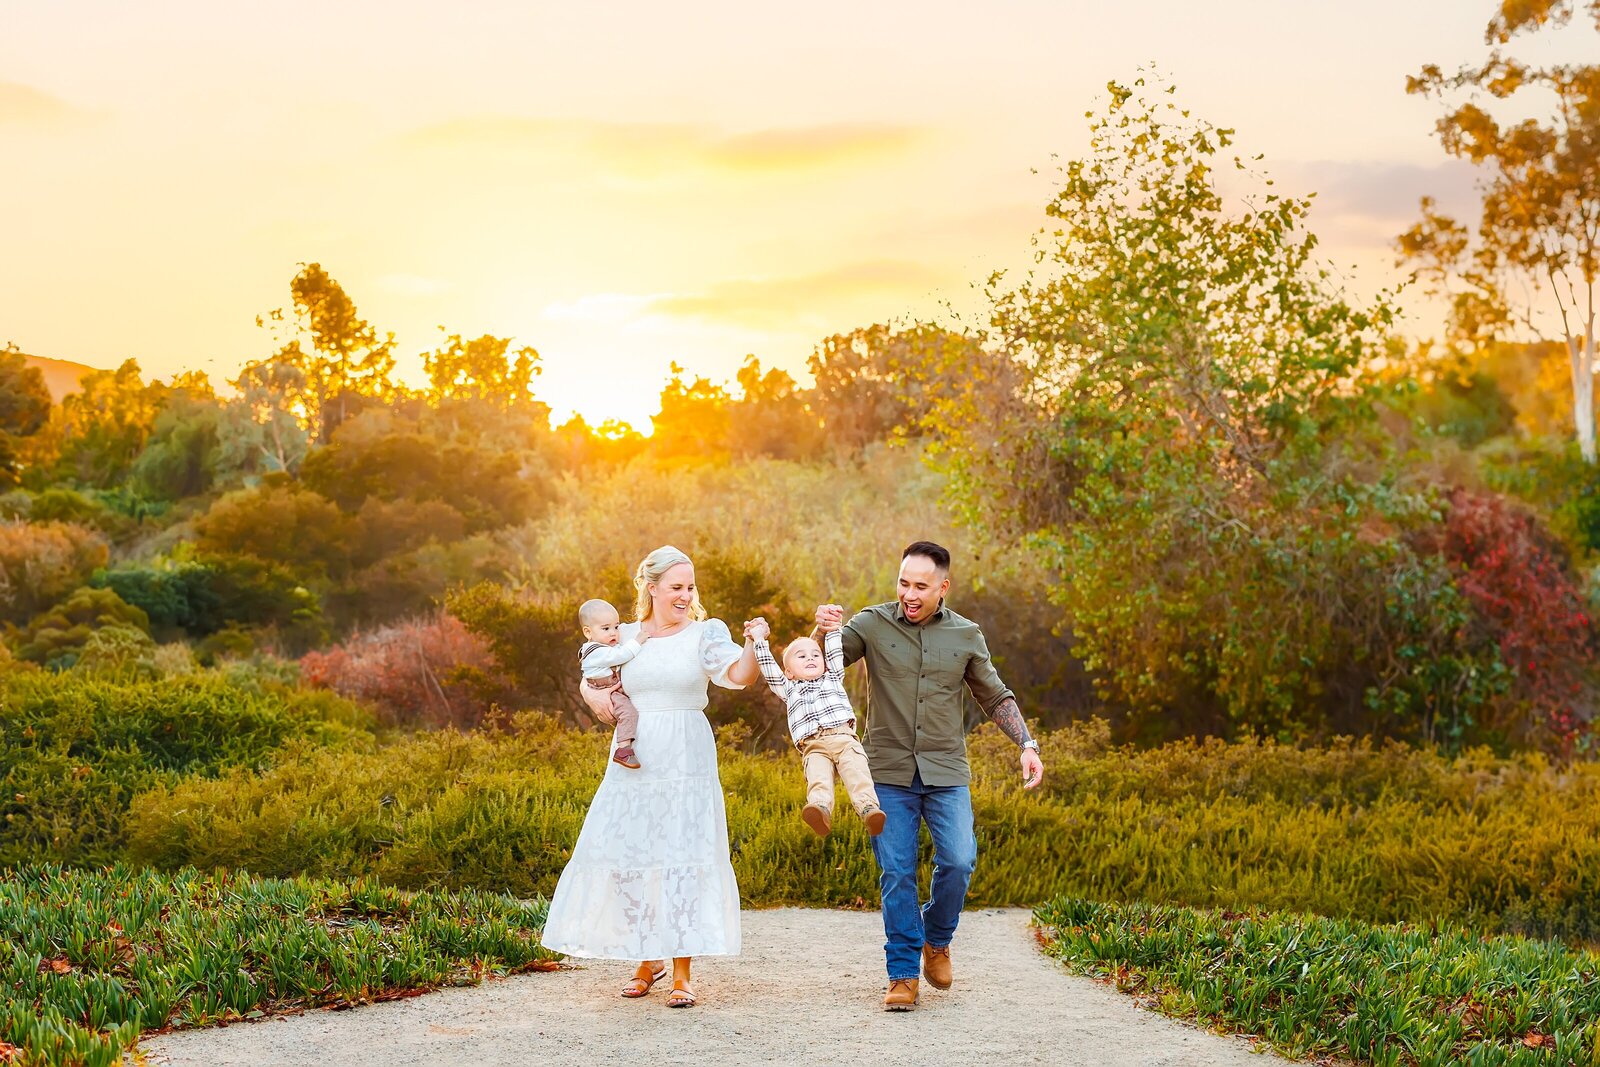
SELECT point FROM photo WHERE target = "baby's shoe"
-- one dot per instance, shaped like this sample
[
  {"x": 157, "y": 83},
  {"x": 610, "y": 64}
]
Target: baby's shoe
[
  {"x": 818, "y": 818},
  {"x": 624, "y": 755},
  {"x": 874, "y": 818}
]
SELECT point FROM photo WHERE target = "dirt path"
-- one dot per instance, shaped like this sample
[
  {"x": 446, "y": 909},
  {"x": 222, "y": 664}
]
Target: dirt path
[{"x": 806, "y": 990}]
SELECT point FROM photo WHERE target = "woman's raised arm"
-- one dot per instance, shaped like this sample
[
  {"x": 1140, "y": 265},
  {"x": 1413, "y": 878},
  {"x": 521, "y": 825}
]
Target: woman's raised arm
[{"x": 745, "y": 670}]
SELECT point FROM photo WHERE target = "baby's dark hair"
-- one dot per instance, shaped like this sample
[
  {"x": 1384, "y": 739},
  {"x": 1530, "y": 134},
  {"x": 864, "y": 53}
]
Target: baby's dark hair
[
  {"x": 938, "y": 553},
  {"x": 592, "y": 611}
]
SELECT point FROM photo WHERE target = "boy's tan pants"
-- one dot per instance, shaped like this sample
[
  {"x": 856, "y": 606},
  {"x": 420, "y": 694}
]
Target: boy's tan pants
[{"x": 837, "y": 747}]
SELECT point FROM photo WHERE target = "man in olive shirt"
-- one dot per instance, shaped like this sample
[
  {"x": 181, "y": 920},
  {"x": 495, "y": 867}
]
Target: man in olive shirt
[{"x": 920, "y": 655}]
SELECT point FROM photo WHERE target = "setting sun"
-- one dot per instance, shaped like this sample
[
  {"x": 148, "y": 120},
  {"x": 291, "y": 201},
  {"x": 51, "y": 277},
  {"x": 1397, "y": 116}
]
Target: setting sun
[{"x": 625, "y": 187}]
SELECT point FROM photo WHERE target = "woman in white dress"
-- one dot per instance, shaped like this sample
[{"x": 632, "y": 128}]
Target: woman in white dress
[{"x": 650, "y": 877}]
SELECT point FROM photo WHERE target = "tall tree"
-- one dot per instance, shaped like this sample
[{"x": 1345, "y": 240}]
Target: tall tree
[
  {"x": 879, "y": 381},
  {"x": 771, "y": 417},
  {"x": 181, "y": 456},
  {"x": 693, "y": 420},
  {"x": 259, "y": 432},
  {"x": 1534, "y": 262},
  {"x": 486, "y": 368},
  {"x": 104, "y": 425},
  {"x": 24, "y": 408},
  {"x": 1186, "y": 439},
  {"x": 855, "y": 393},
  {"x": 347, "y": 359}
]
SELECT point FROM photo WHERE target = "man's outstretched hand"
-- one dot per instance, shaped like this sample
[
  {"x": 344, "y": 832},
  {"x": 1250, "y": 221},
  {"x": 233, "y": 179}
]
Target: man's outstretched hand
[
  {"x": 1032, "y": 768},
  {"x": 829, "y": 617}
]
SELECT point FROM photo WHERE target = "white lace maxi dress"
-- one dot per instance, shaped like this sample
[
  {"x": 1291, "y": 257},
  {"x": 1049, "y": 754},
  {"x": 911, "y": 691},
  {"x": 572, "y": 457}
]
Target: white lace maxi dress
[{"x": 650, "y": 876}]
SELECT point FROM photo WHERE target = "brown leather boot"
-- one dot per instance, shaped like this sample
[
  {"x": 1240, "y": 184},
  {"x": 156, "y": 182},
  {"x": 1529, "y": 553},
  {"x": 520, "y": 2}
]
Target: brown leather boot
[
  {"x": 902, "y": 995},
  {"x": 936, "y": 965}
]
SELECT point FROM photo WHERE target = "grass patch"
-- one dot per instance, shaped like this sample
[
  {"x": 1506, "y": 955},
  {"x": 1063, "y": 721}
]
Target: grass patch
[
  {"x": 90, "y": 960},
  {"x": 1352, "y": 830},
  {"x": 1387, "y": 995},
  {"x": 75, "y": 750}
]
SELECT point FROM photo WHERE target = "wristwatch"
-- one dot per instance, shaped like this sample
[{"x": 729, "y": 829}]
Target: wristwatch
[{"x": 1031, "y": 743}]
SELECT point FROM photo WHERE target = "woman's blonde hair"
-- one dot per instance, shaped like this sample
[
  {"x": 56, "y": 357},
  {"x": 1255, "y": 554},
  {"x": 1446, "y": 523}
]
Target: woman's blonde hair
[{"x": 651, "y": 570}]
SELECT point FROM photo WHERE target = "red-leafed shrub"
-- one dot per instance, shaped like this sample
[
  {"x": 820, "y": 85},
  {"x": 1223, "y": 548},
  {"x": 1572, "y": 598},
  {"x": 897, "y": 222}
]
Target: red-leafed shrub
[
  {"x": 413, "y": 672},
  {"x": 1516, "y": 577}
]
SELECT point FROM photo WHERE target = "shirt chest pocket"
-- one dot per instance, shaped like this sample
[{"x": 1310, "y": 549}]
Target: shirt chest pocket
[
  {"x": 944, "y": 667},
  {"x": 898, "y": 660}
]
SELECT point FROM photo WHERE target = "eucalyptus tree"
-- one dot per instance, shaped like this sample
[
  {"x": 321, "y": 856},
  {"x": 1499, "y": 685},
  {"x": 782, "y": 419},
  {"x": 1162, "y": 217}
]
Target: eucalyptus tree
[{"x": 1532, "y": 264}]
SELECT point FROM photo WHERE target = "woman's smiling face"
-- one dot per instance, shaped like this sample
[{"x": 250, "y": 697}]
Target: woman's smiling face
[{"x": 673, "y": 595}]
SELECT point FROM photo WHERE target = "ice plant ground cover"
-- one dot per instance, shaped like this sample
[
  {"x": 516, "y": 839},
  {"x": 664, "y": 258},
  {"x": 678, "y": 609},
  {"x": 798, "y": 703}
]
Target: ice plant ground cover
[
  {"x": 1386, "y": 995},
  {"x": 93, "y": 959}
]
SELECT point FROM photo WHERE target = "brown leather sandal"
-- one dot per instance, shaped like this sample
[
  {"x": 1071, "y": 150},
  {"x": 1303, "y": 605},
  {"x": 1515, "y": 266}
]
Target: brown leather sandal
[
  {"x": 680, "y": 997},
  {"x": 638, "y": 987}
]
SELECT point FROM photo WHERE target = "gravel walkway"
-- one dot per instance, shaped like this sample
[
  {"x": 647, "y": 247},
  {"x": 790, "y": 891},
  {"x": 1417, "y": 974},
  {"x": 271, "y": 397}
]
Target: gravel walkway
[{"x": 806, "y": 990}]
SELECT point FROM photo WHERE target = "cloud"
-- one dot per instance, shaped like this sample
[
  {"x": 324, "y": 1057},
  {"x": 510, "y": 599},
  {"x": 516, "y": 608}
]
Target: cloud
[
  {"x": 811, "y": 146},
  {"x": 773, "y": 303},
  {"x": 653, "y": 147},
  {"x": 1385, "y": 193},
  {"x": 600, "y": 307},
  {"x": 23, "y": 103}
]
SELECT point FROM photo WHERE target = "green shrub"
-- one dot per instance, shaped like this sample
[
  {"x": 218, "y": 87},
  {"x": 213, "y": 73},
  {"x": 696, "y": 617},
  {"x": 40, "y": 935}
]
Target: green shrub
[
  {"x": 92, "y": 959},
  {"x": 1347, "y": 830},
  {"x": 1325, "y": 987},
  {"x": 176, "y": 598},
  {"x": 75, "y": 749},
  {"x": 57, "y": 637},
  {"x": 60, "y": 504},
  {"x": 118, "y": 652},
  {"x": 437, "y": 809},
  {"x": 205, "y": 594}
]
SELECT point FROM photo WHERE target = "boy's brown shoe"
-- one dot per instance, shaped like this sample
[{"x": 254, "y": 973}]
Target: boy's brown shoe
[
  {"x": 818, "y": 818},
  {"x": 936, "y": 965},
  {"x": 874, "y": 818},
  {"x": 902, "y": 995}
]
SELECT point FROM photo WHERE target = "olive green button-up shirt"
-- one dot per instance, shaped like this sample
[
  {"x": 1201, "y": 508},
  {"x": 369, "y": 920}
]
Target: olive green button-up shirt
[{"x": 915, "y": 674}]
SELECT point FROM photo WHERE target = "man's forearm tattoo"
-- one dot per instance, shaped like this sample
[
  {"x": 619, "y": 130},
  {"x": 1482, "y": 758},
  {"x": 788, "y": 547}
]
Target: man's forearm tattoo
[{"x": 1008, "y": 717}]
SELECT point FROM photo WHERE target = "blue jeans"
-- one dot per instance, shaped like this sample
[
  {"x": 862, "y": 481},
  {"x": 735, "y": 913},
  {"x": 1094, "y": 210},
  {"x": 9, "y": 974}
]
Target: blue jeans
[{"x": 948, "y": 812}]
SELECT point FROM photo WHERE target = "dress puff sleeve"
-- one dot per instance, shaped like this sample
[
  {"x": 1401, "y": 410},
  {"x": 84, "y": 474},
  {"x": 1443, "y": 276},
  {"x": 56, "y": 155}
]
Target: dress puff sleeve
[{"x": 718, "y": 652}]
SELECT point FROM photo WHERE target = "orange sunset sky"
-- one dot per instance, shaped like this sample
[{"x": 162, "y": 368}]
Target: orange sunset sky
[{"x": 626, "y": 185}]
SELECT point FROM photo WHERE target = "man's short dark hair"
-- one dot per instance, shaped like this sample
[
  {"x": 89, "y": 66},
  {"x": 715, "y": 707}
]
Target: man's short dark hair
[{"x": 938, "y": 553}]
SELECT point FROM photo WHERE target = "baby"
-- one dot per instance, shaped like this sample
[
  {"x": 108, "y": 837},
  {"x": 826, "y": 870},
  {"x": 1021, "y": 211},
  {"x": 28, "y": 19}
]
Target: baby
[
  {"x": 822, "y": 724},
  {"x": 602, "y": 658}
]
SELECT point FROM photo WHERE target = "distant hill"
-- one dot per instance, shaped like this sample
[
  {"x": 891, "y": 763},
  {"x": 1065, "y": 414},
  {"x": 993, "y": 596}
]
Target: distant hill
[{"x": 60, "y": 376}]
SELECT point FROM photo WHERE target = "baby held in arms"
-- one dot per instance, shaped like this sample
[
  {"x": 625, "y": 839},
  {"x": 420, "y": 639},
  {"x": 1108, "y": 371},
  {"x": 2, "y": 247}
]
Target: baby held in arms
[
  {"x": 601, "y": 657},
  {"x": 822, "y": 724}
]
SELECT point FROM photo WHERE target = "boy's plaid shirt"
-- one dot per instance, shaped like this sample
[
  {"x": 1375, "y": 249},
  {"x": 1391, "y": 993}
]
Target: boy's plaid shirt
[{"x": 814, "y": 704}]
